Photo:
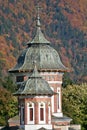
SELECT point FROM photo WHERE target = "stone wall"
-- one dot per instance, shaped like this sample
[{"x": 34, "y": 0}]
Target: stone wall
[{"x": 75, "y": 127}]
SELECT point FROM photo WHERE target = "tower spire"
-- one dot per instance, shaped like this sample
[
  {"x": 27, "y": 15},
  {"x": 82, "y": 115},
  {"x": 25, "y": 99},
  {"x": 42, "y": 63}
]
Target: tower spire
[
  {"x": 39, "y": 37},
  {"x": 38, "y": 16}
]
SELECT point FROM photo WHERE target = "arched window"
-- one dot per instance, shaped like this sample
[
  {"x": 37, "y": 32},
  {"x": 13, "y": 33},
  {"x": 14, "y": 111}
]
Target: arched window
[
  {"x": 30, "y": 113},
  {"x": 42, "y": 113}
]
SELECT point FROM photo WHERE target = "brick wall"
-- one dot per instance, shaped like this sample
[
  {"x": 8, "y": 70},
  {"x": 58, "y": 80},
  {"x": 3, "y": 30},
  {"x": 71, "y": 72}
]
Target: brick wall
[{"x": 36, "y": 101}]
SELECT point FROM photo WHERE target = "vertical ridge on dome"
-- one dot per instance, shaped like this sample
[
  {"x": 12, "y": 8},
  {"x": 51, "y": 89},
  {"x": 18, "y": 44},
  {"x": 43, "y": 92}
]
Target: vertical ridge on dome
[{"x": 35, "y": 73}]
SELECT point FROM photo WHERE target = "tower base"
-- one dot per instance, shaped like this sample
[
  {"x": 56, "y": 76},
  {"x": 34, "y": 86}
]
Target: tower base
[{"x": 35, "y": 127}]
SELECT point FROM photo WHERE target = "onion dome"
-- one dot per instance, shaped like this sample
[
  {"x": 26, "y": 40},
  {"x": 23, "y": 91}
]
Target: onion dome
[
  {"x": 35, "y": 85},
  {"x": 39, "y": 49},
  {"x": 46, "y": 58}
]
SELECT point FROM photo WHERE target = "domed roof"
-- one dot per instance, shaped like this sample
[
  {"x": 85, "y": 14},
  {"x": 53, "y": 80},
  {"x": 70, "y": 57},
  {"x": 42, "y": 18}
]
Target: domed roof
[
  {"x": 35, "y": 85},
  {"x": 39, "y": 49},
  {"x": 45, "y": 56}
]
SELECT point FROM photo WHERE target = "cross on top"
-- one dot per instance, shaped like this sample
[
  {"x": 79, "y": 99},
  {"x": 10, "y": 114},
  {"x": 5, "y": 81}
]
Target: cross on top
[
  {"x": 38, "y": 16},
  {"x": 38, "y": 9}
]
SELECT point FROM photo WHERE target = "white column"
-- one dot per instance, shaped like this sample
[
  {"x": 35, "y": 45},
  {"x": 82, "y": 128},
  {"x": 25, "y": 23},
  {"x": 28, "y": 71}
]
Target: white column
[
  {"x": 49, "y": 114},
  {"x": 58, "y": 100},
  {"x": 52, "y": 101}
]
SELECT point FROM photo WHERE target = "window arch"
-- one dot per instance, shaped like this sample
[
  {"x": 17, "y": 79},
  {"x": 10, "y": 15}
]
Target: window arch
[
  {"x": 42, "y": 113},
  {"x": 30, "y": 114}
]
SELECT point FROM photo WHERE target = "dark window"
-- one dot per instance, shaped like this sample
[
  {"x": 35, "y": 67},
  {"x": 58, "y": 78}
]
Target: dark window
[
  {"x": 19, "y": 78},
  {"x": 23, "y": 114},
  {"x": 31, "y": 114},
  {"x": 41, "y": 114},
  {"x": 58, "y": 100}
]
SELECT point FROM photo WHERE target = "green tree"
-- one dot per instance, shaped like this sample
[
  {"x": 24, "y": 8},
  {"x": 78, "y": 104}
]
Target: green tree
[
  {"x": 9, "y": 84},
  {"x": 75, "y": 103},
  {"x": 66, "y": 80},
  {"x": 8, "y": 106}
]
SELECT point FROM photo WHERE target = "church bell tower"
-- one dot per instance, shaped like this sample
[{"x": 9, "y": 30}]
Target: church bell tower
[{"x": 39, "y": 92}]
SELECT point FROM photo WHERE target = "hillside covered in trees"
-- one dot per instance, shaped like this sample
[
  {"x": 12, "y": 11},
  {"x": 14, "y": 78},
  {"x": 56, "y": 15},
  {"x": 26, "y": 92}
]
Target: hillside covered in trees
[{"x": 64, "y": 22}]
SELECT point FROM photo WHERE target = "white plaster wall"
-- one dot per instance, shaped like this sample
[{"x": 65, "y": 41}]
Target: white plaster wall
[{"x": 36, "y": 127}]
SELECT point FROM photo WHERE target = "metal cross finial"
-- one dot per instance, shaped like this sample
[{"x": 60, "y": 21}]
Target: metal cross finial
[
  {"x": 38, "y": 15},
  {"x": 38, "y": 9}
]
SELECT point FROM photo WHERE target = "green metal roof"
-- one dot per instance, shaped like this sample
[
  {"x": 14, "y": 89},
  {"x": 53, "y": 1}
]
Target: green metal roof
[
  {"x": 39, "y": 38},
  {"x": 45, "y": 56},
  {"x": 35, "y": 85}
]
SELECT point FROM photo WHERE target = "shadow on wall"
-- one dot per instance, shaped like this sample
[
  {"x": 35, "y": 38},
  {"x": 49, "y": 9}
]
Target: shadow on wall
[
  {"x": 71, "y": 129},
  {"x": 10, "y": 128}
]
